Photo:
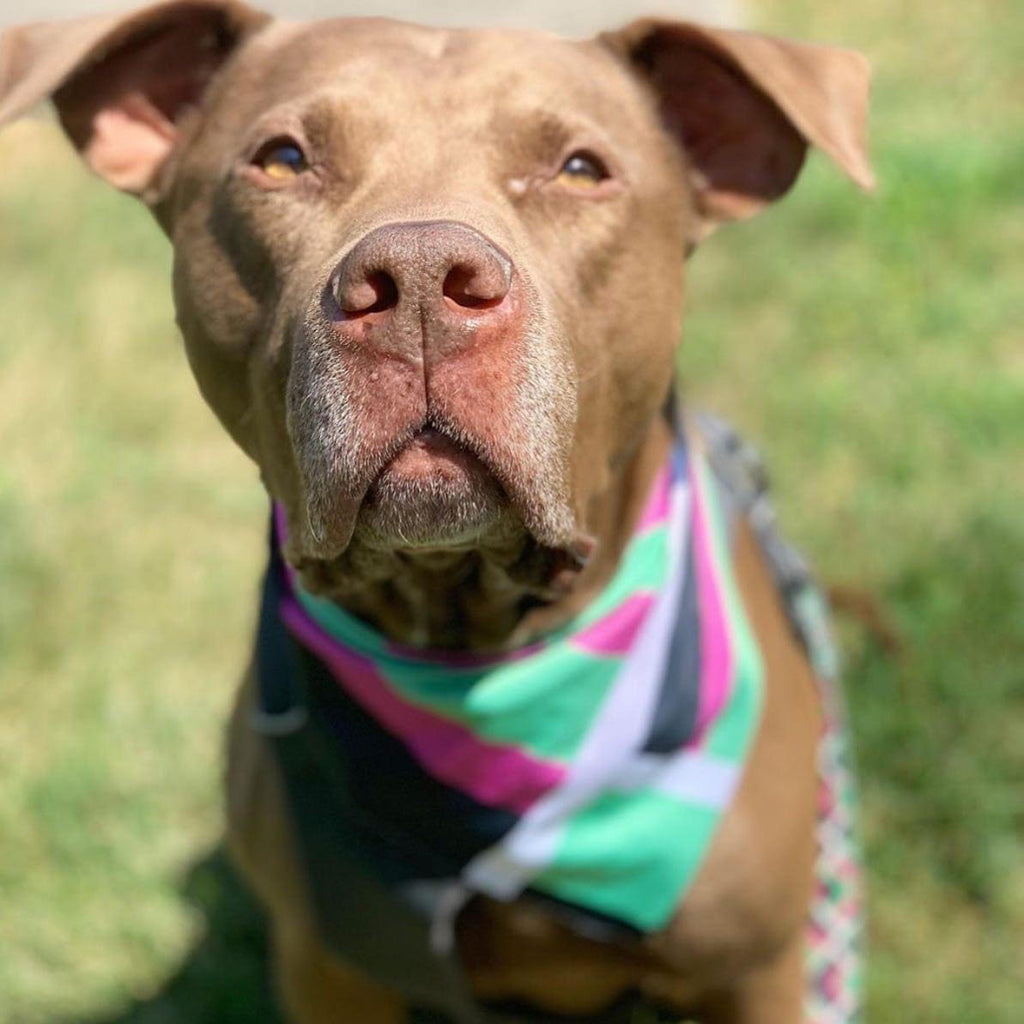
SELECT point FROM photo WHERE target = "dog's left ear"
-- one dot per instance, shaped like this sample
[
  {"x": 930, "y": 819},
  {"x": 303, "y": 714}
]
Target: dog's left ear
[{"x": 746, "y": 106}]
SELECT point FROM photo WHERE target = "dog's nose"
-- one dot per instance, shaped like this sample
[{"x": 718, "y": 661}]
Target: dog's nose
[{"x": 431, "y": 267}]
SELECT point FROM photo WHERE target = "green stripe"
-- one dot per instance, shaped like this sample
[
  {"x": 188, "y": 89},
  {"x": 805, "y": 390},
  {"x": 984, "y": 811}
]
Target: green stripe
[
  {"x": 544, "y": 705},
  {"x": 630, "y": 855}
]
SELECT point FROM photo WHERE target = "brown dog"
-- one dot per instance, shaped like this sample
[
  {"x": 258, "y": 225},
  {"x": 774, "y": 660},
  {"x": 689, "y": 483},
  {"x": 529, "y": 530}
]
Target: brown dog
[{"x": 431, "y": 282}]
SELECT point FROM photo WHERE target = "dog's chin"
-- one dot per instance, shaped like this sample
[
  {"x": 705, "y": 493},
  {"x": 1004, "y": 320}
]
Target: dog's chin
[{"x": 433, "y": 495}]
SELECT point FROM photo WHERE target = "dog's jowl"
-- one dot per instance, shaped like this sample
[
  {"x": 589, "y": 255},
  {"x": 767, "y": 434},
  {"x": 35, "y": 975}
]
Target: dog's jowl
[{"x": 540, "y": 721}]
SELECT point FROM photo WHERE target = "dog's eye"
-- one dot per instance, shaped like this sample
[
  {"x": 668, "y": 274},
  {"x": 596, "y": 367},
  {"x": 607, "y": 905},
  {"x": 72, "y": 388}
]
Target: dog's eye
[
  {"x": 281, "y": 159},
  {"x": 583, "y": 170}
]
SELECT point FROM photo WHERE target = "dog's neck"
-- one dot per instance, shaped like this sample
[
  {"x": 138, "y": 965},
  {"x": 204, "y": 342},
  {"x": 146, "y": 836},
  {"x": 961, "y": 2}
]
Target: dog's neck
[{"x": 486, "y": 600}]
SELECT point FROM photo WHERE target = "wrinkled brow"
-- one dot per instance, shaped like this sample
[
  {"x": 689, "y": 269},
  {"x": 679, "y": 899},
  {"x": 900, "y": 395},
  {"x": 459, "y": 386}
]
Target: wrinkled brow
[{"x": 541, "y": 134}]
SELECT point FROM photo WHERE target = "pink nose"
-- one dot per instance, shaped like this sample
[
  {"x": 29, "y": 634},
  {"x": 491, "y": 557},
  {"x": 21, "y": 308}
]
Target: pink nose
[{"x": 425, "y": 268}]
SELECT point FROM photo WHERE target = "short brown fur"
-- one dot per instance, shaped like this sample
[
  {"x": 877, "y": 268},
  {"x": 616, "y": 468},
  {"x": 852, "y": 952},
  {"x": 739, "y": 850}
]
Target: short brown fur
[{"x": 543, "y": 418}]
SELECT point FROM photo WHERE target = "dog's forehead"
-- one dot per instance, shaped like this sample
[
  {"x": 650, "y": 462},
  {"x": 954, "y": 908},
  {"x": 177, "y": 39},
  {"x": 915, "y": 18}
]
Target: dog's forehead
[{"x": 380, "y": 58}]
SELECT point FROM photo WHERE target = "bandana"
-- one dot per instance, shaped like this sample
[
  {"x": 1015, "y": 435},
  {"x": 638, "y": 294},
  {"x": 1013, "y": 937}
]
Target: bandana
[{"x": 591, "y": 767}]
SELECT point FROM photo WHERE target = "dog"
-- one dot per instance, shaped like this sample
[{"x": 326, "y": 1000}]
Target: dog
[{"x": 431, "y": 282}]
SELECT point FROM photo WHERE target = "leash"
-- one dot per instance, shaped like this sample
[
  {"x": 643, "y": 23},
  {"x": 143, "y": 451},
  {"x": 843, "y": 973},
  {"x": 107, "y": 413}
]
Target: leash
[{"x": 836, "y": 924}]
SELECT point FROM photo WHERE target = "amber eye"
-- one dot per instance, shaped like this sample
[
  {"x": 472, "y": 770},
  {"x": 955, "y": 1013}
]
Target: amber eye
[
  {"x": 583, "y": 170},
  {"x": 281, "y": 159}
]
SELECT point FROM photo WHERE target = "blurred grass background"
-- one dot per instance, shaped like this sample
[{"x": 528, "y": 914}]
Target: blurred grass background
[{"x": 872, "y": 347}]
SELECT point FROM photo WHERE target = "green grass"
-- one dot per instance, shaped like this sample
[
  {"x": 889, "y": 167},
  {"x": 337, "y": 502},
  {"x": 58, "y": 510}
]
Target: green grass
[{"x": 873, "y": 348}]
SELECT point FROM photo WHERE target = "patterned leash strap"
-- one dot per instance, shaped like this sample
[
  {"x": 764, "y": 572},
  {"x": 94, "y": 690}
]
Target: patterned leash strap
[{"x": 835, "y": 928}]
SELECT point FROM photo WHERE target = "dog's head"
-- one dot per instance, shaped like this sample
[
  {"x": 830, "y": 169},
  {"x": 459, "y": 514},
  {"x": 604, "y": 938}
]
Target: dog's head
[{"x": 431, "y": 281}]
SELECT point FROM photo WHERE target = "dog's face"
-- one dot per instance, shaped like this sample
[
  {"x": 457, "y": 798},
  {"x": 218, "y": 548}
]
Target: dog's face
[
  {"x": 438, "y": 248},
  {"x": 431, "y": 281}
]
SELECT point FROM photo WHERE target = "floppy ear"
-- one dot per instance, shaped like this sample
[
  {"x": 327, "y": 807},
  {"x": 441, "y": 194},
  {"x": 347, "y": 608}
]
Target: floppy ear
[
  {"x": 746, "y": 106},
  {"x": 122, "y": 83}
]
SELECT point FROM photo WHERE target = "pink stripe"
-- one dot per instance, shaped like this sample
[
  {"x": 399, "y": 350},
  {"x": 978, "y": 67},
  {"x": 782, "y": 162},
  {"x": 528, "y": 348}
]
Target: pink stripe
[
  {"x": 659, "y": 504},
  {"x": 716, "y": 651},
  {"x": 496, "y": 775},
  {"x": 615, "y": 634}
]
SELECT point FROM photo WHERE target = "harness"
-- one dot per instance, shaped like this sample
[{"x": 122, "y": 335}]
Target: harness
[{"x": 587, "y": 773}]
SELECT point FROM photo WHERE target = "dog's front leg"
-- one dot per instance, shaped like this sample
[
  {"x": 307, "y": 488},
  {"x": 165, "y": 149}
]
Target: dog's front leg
[{"x": 318, "y": 988}]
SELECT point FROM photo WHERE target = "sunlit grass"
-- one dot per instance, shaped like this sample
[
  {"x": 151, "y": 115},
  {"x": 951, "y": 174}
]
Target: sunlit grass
[
  {"x": 872, "y": 347},
  {"x": 130, "y": 535}
]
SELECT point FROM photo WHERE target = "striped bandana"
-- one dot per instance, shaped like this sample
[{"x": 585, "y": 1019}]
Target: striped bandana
[{"x": 594, "y": 765}]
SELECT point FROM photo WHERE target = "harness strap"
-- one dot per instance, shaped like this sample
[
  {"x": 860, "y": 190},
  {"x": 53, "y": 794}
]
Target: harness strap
[{"x": 835, "y": 931}]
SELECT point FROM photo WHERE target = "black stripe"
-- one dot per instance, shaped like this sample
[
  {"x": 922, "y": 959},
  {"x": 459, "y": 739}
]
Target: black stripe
[
  {"x": 275, "y": 659},
  {"x": 424, "y": 828},
  {"x": 675, "y": 715},
  {"x": 403, "y": 822}
]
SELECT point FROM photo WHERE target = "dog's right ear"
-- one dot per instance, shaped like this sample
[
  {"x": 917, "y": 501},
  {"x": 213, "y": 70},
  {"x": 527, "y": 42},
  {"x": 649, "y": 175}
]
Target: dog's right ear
[{"x": 122, "y": 83}]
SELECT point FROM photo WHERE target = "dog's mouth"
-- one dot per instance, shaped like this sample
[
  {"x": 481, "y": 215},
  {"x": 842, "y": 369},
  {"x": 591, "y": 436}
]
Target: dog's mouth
[
  {"x": 430, "y": 456},
  {"x": 435, "y": 488},
  {"x": 434, "y": 491}
]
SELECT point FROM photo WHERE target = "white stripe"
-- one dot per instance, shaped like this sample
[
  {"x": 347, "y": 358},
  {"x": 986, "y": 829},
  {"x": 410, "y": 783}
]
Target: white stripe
[
  {"x": 691, "y": 775},
  {"x": 620, "y": 726}
]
